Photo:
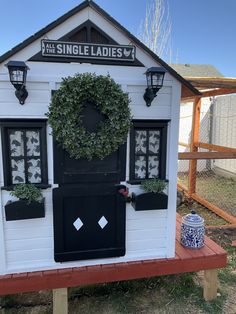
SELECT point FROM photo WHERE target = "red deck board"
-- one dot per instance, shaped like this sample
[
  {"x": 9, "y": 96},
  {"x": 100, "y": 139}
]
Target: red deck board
[
  {"x": 81, "y": 269},
  {"x": 217, "y": 249},
  {"x": 205, "y": 251},
  {"x": 211, "y": 256},
  {"x": 181, "y": 251}
]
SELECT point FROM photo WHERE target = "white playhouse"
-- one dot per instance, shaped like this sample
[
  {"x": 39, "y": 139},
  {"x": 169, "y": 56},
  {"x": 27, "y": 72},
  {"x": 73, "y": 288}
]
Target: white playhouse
[{"x": 65, "y": 128}]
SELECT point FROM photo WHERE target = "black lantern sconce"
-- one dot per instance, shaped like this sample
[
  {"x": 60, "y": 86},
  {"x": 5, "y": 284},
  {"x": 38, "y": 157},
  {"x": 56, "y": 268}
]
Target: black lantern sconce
[
  {"x": 18, "y": 72},
  {"x": 155, "y": 78}
]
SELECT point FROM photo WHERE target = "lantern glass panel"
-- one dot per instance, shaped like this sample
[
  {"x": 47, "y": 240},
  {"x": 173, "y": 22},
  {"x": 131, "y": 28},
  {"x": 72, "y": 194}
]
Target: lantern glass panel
[
  {"x": 17, "y": 76},
  {"x": 157, "y": 79},
  {"x": 149, "y": 80}
]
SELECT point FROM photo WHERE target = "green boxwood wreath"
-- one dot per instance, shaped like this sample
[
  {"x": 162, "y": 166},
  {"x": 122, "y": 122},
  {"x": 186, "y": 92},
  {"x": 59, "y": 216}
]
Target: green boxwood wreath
[{"x": 66, "y": 120}]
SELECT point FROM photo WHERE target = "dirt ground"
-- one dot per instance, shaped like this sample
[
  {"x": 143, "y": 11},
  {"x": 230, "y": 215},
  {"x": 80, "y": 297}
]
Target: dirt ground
[
  {"x": 177, "y": 294},
  {"x": 210, "y": 218}
]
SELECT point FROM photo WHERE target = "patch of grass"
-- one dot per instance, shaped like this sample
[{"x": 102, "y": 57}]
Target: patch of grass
[
  {"x": 228, "y": 274},
  {"x": 180, "y": 285},
  {"x": 168, "y": 294},
  {"x": 123, "y": 287},
  {"x": 214, "y": 306},
  {"x": 185, "y": 289},
  {"x": 22, "y": 303},
  {"x": 7, "y": 301}
]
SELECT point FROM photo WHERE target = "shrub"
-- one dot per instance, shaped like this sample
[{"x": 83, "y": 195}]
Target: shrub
[
  {"x": 154, "y": 185},
  {"x": 27, "y": 192}
]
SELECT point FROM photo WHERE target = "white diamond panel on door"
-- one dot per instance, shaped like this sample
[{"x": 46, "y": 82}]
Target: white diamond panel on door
[
  {"x": 102, "y": 222},
  {"x": 78, "y": 224}
]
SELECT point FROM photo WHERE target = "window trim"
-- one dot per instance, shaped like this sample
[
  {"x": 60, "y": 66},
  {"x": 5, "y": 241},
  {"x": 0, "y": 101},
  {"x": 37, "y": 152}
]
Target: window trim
[
  {"x": 148, "y": 124},
  {"x": 7, "y": 124}
]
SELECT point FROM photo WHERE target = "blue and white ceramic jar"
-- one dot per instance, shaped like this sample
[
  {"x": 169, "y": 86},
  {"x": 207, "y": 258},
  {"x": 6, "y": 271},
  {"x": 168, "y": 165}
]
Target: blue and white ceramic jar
[{"x": 192, "y": 231}]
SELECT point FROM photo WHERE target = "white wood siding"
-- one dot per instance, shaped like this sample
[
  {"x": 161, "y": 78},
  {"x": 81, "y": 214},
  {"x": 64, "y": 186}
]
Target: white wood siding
[
  {"x": 28, "y": 244},
  {"x": 2, "y": 235}
]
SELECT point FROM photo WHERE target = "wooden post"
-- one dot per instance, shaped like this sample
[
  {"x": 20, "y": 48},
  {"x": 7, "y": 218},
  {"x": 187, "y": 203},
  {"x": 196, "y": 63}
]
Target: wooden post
[
  {"x": 193, "y": 145},
  {"x": 210, "y": 284},
  {"x": 60, "y": 301}
]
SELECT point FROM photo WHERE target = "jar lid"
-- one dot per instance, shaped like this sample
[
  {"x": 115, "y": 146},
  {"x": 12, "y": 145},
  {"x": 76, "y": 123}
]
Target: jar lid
[{"x": 193, "y": 219}]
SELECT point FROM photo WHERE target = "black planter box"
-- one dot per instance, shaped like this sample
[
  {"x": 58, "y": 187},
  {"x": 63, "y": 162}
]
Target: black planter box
[
  {"x": 149, "y": 201},
  {"x": 22, "y": 210}
]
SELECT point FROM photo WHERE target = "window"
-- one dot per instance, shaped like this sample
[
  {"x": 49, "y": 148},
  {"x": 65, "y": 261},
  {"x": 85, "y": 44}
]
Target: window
[
  {"x": 148, "y": 150},
  {"x": 24, "y": 152}
]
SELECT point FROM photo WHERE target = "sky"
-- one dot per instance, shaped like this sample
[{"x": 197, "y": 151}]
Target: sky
[{"x": 203, "y": 31}]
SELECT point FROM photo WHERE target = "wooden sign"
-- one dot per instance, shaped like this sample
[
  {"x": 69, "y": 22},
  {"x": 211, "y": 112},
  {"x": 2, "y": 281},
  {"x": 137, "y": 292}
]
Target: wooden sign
[{"x": 54, "y": 48}]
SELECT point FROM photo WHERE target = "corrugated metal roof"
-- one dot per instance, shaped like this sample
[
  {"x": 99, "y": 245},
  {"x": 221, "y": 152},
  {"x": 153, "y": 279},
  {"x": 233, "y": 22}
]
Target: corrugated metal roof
[{"x": 196, "y": 70}]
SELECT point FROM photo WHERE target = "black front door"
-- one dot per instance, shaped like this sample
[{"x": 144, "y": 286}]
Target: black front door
[{"x": 88, "y": 211}]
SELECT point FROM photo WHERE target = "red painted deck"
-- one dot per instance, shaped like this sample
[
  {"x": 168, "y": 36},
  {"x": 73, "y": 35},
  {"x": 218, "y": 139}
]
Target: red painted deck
[{"x": 211, "y": 256}]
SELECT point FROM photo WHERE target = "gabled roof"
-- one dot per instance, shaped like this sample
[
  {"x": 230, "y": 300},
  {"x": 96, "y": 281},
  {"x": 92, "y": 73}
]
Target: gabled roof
[
  {"x": 196, "y": 70},
  {"x": 90, "y": 3}
]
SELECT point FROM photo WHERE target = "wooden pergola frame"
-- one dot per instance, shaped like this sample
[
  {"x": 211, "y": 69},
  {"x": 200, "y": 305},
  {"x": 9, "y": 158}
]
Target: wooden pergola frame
[{"x": 208, "y": 87}]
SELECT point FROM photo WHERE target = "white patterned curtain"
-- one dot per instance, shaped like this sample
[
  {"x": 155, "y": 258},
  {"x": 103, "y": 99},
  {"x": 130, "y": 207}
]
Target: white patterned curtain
[
  {"x": 147, "y": 146},
  {"x": 25, "y": 156}
]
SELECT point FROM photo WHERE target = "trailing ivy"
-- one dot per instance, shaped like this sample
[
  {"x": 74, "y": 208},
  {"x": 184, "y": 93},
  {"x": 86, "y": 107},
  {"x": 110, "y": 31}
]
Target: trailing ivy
[{"x": 65, "y": 115}]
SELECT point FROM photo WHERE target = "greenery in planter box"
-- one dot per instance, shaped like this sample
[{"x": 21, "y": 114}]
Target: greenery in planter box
[
  {"x": 154, "y": 185},
  {"x": 152, "y": 196},
  {"x": 27, "y": 192},
  {"x": 30, "y": 203}
]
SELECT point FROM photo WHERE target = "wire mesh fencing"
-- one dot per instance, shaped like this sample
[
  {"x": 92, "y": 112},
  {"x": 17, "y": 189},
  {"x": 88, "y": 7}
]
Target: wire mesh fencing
[
  {"x": 215, "y": 178},
  {"x": 214, "y": 186}
]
